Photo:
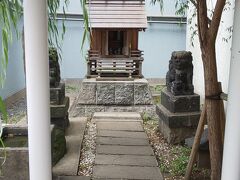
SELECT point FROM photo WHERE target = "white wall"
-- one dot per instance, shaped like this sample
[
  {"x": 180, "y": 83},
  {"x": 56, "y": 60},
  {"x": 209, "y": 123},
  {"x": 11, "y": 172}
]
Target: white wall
[{"x": 223, "y": 51}]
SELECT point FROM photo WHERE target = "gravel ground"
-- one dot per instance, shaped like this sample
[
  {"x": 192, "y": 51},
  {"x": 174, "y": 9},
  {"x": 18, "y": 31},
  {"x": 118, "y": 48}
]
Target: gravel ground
[
  {"x": 17, "y": 111},
  {"x": 172, "y": 159},
  {"x": 88, "y": 151}
]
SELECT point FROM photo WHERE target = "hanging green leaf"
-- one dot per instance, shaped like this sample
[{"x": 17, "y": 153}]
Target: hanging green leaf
[{"x": 3, "y": 110}]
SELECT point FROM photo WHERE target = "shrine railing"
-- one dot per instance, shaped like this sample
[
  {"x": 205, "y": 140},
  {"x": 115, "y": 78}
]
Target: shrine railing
[{"x": 130, "y": 67}]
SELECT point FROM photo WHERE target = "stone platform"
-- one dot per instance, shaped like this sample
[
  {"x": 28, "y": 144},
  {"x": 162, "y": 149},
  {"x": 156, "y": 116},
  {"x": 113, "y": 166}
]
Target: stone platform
[
  {"x": 178, "y": 116},
  {"x": 114, "y": 96}
]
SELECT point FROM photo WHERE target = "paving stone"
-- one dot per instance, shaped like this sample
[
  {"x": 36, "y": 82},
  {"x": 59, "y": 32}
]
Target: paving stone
[
  {"x": 124, "y": 150},
  {"x": 120, "y": 126},
  {"x": 116, "y": 120},
  {"x": 130, "y": 160},
  {"x": 123, "y": 134},
  {"x": 73, "y": 178},
  {"x": 126, "y": 172},
  {"x": 121, "y": 141},
  {"x": 117, "y": 115}
]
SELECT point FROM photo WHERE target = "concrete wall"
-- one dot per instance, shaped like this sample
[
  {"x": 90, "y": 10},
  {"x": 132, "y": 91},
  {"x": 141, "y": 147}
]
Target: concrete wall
[{"x": 223, "y": 51}]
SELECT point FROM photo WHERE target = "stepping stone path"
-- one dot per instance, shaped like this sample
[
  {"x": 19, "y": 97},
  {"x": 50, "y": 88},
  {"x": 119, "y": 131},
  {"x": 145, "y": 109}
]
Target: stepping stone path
[{"x": 123, "y": 150}]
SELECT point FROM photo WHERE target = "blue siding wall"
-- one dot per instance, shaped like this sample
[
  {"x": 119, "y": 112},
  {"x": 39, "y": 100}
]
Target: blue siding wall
[
  {"x": 157, "y": 42},
  {"x": 15, "y": 73}
]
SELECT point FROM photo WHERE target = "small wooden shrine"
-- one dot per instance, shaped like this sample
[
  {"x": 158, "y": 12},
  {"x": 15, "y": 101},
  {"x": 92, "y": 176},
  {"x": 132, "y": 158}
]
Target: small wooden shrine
[{"x": 115, "y": 25}]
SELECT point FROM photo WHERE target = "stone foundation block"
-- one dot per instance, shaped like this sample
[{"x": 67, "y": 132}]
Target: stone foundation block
[
  {"x": 124, "y": 94},
  {"x": 175, "y": 135},
  {"x": 57, "y": 94},
  {"x": 62, "y": 123},
  {"x": 142, "y": 94},
  {"x": 60, "y": 111},
  {"x": 184, "y": 103},
  {"x": 178, "y": 120},
  {"x": 105, "y": 93},
  {"x": 87, "y": 93},
  {"x": 176, "y": 127}
]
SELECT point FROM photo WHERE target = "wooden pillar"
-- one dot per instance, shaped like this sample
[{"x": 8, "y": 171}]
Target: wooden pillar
[{"x": 134, "y": 39}]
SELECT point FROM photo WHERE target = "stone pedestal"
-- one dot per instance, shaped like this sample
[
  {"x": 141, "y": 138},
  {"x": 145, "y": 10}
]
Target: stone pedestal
[
  {"x": 179, "y": 111},
  {"x": 59, "y": 114},
  {"x": 178, "y": 116},
  {"x": 100, "y": 96},
  {"x": 59, "y": 103}
]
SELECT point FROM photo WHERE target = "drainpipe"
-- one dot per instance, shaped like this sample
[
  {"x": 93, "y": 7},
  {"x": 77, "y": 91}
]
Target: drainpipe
[
  {"x": 231, "y": 154},
  {"x": 37, "y": 84}
]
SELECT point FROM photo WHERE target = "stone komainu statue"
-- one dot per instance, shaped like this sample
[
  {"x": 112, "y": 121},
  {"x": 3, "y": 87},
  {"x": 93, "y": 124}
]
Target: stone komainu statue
[
  {"x": 180, "y": 74},
  {"x": 54, "y": 68}
]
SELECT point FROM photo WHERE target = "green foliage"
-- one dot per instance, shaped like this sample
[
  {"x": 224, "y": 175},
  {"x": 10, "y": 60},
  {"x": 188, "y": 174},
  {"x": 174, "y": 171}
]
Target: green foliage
[
  {"x": 160, "y": 4},
  {"x": 3, "y": 110},
  {"x": 179, "y": 164},
  {"x": 55, "y": 38},
  {"x": 53, "y": 55},
  {"x": 10, "y": 13},
  {"x": 146, "y": 117},
  {"x": 86, "y": 32}
]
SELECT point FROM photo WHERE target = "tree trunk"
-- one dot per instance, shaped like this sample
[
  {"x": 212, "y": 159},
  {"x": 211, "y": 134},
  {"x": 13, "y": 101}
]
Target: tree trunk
[{"x": 212, "y": 106}]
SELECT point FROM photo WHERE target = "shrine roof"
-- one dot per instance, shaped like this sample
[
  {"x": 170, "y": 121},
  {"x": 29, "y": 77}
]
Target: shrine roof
[{"x": 117, "y": 14}]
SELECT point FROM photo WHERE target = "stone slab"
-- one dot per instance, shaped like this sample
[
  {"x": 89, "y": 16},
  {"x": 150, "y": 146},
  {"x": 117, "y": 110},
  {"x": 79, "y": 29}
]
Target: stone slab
[
  {"x": 120, "y": 126},
  {"x": 62, "y": 123},
  {"x": 57, "y": 94},
  {"x": 116, "y": 120},
  {"x": 105, "y": 93},
  {"x": 87, "y": 93},
  {"x": 60, "y": 111},
  {"x": 16, "y": 164},
  {"x": 124, "y": 150},
  {"x": 126, "y": 160},
  {"x": 121, "y": 134},
  {"x": 187, "y": 103},
  {"x": 175, "y": 135},
  {"x": 178, "y": 120},
  {"x": 121, "y": 141},
  {"x": 74, "y": 178},
  {"x": 120, "y": 93},
  {"x": 126, "y": 172},
  {"x": 68, "y": 165},
  {"x": 117, "y": 115},
  {"x": 142, "y": 94},
  {"x": 124, "y": 94},
  {"x": 88, "y": 110}
]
